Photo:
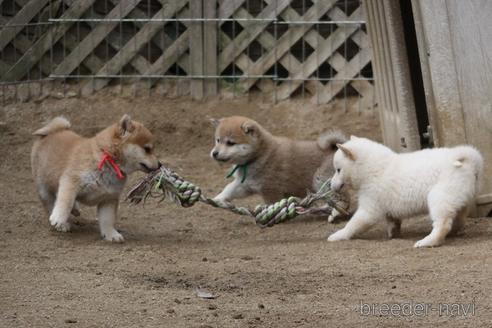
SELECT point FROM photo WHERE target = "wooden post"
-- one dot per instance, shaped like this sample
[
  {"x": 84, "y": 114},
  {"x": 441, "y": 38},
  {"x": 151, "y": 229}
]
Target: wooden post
[
  {"x": 210, "y": 47},
  {"x": 196, "y": 49}
]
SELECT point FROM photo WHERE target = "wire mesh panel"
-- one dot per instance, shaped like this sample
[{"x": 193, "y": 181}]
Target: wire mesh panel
[
  {"x": 314, "y": 49},
  {"x": 22, "y": 24}
]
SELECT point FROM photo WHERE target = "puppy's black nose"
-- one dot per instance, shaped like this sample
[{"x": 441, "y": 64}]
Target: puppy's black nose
[
  {"x": 215, "y": 154},
  {"x": 159, "y": 164}
]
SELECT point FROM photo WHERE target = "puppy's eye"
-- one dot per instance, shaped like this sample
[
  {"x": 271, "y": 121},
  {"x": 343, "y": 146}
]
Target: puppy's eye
[
  {"x": 338, "y": 170},
  {"x": 217, "y": 140},
  {"x": 147, "y": 149},
  {"x": 230, "y": 143}
]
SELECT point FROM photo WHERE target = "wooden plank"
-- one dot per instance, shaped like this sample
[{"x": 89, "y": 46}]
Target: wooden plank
[
  {"x": 323, "y": 51},
  {"x": 196, "y": 49},
  {"x": 248, "y": 35},
  {"x": 268, "y": 42},
  {"x": 244, "y": 62},
  {"x": 286, "y": 41},
  {"x": 160, "y": 39},
  {"x": 4, "y": 67},
  {"x": 131, "y": 48},
  {"x": 177, "y": 52},
  {"x": 24, "y": 16},
  {"x": 115, "y": 40},
  {"x": 210, "y": 47},
  {"x": 22, "y": 43},
  {"x": 96, "y": 36},
  {"x": 168, "y": 58},
  {"x": 228, "y": 7},
  {"x": 349, "y": 71},
  {"x": 45, "y": 42},
  {"x": 443, "y": 98},
  {"x": 471, "y": 37},
  {"x": 92, "y": 62}
]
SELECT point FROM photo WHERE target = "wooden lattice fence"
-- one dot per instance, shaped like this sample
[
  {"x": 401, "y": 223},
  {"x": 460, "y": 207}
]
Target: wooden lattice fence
[{"x": 317, "y": 48}]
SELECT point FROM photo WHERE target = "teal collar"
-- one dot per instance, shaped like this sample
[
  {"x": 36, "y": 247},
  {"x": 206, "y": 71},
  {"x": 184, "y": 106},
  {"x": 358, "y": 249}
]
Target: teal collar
[{"x": 243, "y": 167}]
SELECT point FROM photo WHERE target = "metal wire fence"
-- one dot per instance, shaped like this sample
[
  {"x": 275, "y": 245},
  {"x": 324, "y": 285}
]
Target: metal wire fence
[{"x": 279, "y": 49}]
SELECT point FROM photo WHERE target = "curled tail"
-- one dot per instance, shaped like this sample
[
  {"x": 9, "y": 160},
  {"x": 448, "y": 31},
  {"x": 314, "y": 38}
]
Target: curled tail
[
  {"x": 330, "y": 139},
  {"x": 55, "y": 125},
  {"x": 471, "y": 157}
]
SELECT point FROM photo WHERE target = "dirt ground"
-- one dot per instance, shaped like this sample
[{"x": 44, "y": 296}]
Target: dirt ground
[{"x": 285, "y": 276}]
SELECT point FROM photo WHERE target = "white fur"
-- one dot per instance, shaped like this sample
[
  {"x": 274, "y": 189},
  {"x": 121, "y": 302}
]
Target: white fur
[{"x": 393, "y": 186}]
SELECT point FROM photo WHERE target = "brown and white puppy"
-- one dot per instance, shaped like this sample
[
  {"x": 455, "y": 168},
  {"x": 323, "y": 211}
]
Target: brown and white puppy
[
  {"x": 271, "y": 166},
  {"x": 68, "y": 169}
]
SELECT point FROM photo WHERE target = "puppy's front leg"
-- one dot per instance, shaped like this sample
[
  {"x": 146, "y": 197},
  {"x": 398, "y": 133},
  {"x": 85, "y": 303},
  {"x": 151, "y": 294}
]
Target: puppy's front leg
[
  {"x": 65, "y": 198},
  {"x": 106, "y": 214},
  {"x": 360, "y": 222},
  {"x": 233, "y": 190}
]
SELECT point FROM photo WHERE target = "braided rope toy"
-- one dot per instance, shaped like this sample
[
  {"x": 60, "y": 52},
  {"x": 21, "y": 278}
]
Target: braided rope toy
[{"x": 164, "y": 183}]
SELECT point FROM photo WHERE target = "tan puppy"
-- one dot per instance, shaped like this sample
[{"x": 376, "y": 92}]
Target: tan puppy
[
  {"x": 68, "y": 168},
  {"x": 273, "y": 167}
]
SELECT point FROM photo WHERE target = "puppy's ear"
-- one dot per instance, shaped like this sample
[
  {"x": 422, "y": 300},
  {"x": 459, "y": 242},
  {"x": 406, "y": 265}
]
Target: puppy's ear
[
  {"x": 346, "y": 151},
  {"x": 352, "y": 137},
  {"x": 215, "y": 122},
  {"x": 250, "y": 128},
  {"x": 126, "y": 125}
]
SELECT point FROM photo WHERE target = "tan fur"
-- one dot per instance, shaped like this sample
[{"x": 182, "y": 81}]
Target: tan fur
[
  {"x": 278, "y": 167},
  {"x": 65, "y": 169}
]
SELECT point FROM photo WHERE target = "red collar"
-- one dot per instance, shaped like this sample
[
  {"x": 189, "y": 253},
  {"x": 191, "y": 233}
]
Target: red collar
[{"x": 107, "y": 158}]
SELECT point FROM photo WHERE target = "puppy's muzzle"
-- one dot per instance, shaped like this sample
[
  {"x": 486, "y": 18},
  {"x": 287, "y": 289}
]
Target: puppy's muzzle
[
  {"x": 336, "y": 188},
  {"x": 147, "y": 168},
  {"x": 215, "y": 155}
]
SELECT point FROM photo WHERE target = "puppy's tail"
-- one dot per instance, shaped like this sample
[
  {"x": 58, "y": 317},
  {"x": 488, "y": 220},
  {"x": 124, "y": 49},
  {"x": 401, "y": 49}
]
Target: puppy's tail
[
  {"x": 330, "y": 139},
  {"x": 470, "y": 157},
  {"x": 55, "y": 125}
]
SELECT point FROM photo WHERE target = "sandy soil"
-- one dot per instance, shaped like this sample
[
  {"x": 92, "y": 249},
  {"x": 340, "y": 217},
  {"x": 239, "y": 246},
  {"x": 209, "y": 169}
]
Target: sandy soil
[{"x": 285, "y": 276}]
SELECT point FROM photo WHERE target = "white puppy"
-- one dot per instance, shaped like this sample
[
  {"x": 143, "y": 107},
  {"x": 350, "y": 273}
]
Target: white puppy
[{"x": 393, "y": 186}]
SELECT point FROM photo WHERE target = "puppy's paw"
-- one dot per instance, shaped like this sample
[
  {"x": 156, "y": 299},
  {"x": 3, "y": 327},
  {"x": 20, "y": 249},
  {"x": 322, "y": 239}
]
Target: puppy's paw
[
  {"x": 339, "y": 235},
  {"x": 427, "y": 242},
  {"x": 218, "y": 199},
  {"x": 59, "y": 224},
  {"x": 333, "y": 216},
  {"x": 113, "y": 236},
  {"x": 76, "y": 209}
]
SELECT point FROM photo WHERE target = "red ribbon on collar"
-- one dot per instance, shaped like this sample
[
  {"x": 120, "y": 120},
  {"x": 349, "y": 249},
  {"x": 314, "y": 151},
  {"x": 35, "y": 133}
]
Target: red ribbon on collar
[{"x": 107, "y": 158}]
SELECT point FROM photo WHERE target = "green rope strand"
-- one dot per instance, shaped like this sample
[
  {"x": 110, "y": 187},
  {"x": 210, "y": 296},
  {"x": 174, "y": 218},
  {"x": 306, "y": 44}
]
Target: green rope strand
[{"x": 171, "y": 185}]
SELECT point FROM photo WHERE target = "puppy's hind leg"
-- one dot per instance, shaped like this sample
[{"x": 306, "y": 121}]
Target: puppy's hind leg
[
  {"x": 333, "y": 215},
  {"x": 360, "y": 222},
  {"x": 459, "y": 222},
  {"x": 106, "y": 214},
  {"x": 442, "y": 216},
  {"x": 47, "y": 198},
  {"x": 65, "y": 198},
  {"x": 393, "y": 227},
  {"x": 76, "y": 209}
]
